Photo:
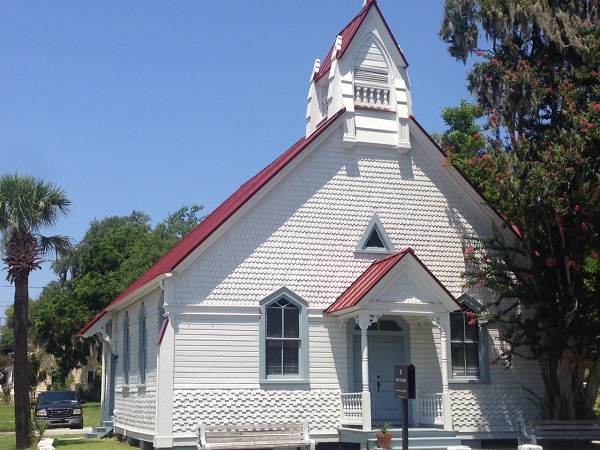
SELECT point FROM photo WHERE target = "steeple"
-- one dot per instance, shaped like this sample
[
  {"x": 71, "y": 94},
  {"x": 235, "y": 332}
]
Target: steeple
[{"x": 365, "y": 73}]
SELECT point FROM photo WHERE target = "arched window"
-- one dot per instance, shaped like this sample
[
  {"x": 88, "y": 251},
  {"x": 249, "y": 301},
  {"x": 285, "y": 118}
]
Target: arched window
[
  {"x": 284, "y": 338},
  {"x": 126, "y": 355},
  {"x": 142, "y": 345}
]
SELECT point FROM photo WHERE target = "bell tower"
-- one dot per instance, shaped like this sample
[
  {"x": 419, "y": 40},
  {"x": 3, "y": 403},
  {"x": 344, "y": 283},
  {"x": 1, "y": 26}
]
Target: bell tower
[{"x": 365, "y": 73}]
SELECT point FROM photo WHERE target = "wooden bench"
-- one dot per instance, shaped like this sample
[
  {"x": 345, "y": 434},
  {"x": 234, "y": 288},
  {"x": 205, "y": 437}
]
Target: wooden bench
[
  {"x": 551, "y": 430},
  {"x": 252, "y": 436}
]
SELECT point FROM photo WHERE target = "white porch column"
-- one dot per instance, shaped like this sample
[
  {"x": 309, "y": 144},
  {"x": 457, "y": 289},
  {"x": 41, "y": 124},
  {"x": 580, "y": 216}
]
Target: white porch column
[
  {"x": 103, "y": 412},
  {"x": 365, "y": 320},
  {"x": 104, "y": 337},
  {"x": 443, "y": 324}
]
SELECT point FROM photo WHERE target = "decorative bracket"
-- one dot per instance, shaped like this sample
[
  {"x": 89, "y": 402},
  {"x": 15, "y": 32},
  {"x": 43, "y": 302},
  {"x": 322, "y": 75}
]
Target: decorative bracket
[{"x": 364, "y": 321}]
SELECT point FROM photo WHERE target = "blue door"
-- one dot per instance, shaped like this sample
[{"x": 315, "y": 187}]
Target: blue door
[{"x": 386, "y": 349}]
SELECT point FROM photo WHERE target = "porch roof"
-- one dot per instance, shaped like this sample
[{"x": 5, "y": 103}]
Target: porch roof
[{"x": 375, "y": 275}]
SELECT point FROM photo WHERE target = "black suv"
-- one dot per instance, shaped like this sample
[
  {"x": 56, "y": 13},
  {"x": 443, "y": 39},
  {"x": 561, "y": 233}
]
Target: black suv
[{"x": 59, "y": 409}]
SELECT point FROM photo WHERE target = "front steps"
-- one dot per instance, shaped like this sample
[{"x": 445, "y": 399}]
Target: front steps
[
  {"x": 418, "y": 438},
  {"x": 106, "y": 427}
]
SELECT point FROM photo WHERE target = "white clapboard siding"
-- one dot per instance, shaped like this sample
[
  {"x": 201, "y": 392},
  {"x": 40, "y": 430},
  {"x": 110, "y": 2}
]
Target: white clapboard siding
[{"x": 425, "y": 355}]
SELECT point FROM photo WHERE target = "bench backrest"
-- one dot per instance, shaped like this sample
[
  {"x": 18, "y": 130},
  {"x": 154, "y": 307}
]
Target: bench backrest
[
  {"x": 254, "y": 433},
  {"x": 563, "y": 425}
]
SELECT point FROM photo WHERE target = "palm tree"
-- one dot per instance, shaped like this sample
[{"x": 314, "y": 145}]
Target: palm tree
[{"x": 27, "y": 206}]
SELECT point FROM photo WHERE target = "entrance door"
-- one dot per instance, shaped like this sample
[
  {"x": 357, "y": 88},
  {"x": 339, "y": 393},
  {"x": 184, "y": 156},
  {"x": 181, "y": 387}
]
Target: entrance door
[{"x": 385, "y": 351}]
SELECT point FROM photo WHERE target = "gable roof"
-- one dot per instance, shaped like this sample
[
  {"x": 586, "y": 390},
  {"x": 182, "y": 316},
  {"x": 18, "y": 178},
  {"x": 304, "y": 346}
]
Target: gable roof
[
  {"x": 348, "y": 33},
  {"x": 215, "y": 219},
  {"x": 371, "y": 277}
]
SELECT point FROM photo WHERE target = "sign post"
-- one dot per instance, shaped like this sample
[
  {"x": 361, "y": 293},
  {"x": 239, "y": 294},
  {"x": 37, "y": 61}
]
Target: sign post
[{"x": 404, "y": 388}]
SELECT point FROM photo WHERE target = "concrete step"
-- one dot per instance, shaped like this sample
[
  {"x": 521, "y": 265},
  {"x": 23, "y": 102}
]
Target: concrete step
[{"x": 99, "y": 432}]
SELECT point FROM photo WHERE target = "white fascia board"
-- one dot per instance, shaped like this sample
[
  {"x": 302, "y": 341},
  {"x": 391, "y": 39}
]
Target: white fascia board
[
  {"x": 98, "y": 327},
  {"x": 457, "y": 180},
  {"x": 258, "y": 196},
  {"x": 138, "y": 293},
  {"x": 409, "y": 309}
]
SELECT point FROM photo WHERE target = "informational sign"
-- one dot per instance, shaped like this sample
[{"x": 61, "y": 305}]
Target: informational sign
[{"x": 404, "y": 381}]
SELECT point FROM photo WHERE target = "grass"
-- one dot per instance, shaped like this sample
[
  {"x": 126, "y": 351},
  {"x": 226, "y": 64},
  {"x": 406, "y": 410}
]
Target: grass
[
  {"x": 91, "y": 416},
  {"x": 7, "y": 418},
  {"x": 7, "y": 442}
]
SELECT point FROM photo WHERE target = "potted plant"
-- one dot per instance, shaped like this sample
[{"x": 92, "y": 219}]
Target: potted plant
[{"x": 384, "y": 435}]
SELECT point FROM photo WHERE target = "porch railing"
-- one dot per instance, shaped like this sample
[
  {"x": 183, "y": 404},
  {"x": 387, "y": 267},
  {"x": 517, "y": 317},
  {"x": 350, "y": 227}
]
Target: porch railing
[
  {"x": 352, "y": 409},
  {"x": 429, "y": 409}
]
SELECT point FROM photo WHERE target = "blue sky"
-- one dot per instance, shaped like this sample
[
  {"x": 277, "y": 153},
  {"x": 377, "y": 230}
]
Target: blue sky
[{"x": 152, "y": 105}]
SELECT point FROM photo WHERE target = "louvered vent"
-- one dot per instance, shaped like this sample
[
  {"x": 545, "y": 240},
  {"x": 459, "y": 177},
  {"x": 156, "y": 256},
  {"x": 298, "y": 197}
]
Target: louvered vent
[{"x": 371, "y": 77}]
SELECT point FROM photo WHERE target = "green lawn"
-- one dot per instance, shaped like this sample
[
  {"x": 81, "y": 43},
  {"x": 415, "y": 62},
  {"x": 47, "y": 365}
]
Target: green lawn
[
  {"x": 91, "y": 416},
  {"x": 68, "y": 443},
  {"x": 7, "y": 418}
]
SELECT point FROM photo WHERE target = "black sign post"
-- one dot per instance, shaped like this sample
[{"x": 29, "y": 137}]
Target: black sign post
[{"x": 404, "y": 388}]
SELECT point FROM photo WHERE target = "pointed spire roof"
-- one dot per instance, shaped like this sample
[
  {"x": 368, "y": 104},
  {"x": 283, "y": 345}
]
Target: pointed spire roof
[{"x": 348, "y": 33}]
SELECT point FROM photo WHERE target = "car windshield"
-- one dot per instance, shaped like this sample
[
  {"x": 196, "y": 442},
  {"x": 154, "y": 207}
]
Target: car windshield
[{"x": 57, "y": 397}]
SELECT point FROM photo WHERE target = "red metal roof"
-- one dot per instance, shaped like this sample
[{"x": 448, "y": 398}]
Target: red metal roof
[
  {"x": 348, "y": 33},
  {"x": 215, "y": 219},
  {"x": 371, "y": 277}
]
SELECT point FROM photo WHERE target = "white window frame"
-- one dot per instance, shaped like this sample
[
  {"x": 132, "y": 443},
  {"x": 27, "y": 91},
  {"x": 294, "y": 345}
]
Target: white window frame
[
  {"x": 482, "y": 344},
  {"x": 303, "y": 354}
]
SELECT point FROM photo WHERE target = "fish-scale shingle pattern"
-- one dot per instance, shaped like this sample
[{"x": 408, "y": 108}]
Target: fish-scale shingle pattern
[
  {"x": 404, "y": 290},
  {"x": 304, "y": 232},
  {"x": 218, "y": 406},
  {"x": 133, "y": 409},
  {"x": 485, "y": 409}
]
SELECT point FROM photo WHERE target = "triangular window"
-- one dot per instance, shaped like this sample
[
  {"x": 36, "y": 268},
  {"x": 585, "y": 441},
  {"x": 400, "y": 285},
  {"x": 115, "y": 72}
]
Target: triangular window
[{"x": 375, "y": 239}]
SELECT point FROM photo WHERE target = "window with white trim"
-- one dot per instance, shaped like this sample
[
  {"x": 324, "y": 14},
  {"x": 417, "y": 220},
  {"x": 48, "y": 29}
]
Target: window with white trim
[
  {"x": 465, "y": 345},
  {"x": 468, "y": 343},
  {"x": 126, "y": 355},
  {"x": 284, "y": 338},
  {"x": 142, "y": 345}
]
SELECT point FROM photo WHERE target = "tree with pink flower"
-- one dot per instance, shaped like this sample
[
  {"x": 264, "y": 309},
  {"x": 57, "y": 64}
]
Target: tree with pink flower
[{"x": 535, "y": 82}]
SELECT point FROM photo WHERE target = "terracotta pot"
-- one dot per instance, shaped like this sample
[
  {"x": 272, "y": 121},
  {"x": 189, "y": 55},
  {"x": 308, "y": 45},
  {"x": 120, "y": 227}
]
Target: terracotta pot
[{"x": 384, "y": 440}]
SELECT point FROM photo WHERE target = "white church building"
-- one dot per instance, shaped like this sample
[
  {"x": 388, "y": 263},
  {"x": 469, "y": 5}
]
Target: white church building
[{"x": 296, "y": 297}]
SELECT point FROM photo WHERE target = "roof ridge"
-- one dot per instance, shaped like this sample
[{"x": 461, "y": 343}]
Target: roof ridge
[{"x": 215, "y": 219}]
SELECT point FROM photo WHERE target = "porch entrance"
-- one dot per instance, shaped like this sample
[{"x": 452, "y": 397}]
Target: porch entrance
[{"x": 386, "y": 349}]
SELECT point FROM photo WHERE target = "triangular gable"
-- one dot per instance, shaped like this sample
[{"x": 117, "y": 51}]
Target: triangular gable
[
  {"x": 378, "y": 274},
  {"x": 348, "y": 33},
  {"x": 213, "y": 221}
]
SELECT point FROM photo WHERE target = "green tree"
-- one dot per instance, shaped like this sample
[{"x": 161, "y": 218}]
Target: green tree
[
  {"x": 535, "y": 78},
  {"x": 464, "y": 139},
  {"x": 113, "y": 253},
  {"x": 27, "y": 207}
]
